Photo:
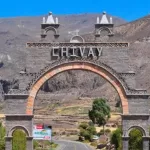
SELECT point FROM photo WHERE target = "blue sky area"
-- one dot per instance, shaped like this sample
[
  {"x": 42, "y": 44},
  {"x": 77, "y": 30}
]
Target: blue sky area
[{"x": 126, "y": 9}]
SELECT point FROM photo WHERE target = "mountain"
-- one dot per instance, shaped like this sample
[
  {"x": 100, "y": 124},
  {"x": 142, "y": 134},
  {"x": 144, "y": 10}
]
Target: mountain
[
  {"x": 16, "y": 32},
  {"x": 137, "y": 30}
]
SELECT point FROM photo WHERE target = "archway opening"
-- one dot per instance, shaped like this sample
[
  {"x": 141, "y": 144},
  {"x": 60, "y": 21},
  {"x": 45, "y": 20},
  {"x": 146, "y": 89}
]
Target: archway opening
[
  {"x": 49, "y": 34},
  {"x": 101, "y": 71},
  {"x": 64, "y": 101},
  {"x": 135, "y": 139},
  {"x": 19, "y": 140},
  {"x": 44, "y": 85}
]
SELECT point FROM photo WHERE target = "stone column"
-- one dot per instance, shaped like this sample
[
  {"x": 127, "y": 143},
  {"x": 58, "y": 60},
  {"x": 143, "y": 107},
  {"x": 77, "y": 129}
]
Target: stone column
[
  {"x": 146, "y": 143},
  {"x": 8, "y": 143},
  {"x": 29, "y": 143},
  {"x": 125, "y": 143}
]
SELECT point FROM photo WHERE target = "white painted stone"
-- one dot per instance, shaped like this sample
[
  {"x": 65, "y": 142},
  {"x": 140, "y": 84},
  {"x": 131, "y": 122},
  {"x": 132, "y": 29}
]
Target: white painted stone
[
  {"x": 50, "y": 19},
  {"x": 111, "y": 20},
  {"x": 98, "y": 20},
  {"x": 56, "y": 20},
  {"x": 44, "y": 20},
  {"x": 104, "y": 19}
]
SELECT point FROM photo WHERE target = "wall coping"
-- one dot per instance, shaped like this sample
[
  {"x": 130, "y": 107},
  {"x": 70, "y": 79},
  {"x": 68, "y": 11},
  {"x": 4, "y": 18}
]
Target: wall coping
[
  {"x": 15, "y": 116},
  {"x": 136, "y": 115}
]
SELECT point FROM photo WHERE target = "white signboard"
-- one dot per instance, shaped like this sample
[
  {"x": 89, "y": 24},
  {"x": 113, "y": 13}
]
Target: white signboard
[{"x": 42, "y": 134}]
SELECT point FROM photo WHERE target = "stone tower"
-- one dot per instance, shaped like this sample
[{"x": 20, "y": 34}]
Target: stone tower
[
  {"x": 49, "y": 25},
  {"x": 103, "y": 28}
]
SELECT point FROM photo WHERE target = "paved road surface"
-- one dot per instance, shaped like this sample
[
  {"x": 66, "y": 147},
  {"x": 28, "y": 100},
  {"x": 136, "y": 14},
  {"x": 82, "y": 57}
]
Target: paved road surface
[{"x": 71, "y": 145}]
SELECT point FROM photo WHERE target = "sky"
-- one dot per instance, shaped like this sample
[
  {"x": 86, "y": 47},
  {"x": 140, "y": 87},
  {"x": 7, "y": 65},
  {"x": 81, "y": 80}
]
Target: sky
[{"x": 126, "y": 9}]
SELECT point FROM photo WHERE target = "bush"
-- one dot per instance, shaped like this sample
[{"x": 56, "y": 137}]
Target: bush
[
  {"x": 2, "y": 135},
  {"x": 135, "y": 140},
  {"x": 94, "y": 144},
  {"x": 92, "y": 130},
  {"x": 101, "y": 132},
  {"x": 107, "y": 131},
  {"x": 116, "y": 139},
  {"x": 83, "y": 125},
  {"x": 91, "y": 123},
  {"x": 19, "y": 140},
  {"x": 86, "y": 134},
  {"x": 53, "y": 145},
  {"x": 35, "y": 144},
  {"x": 87, "y": 131},
  {"x": 54, "y": 133}
]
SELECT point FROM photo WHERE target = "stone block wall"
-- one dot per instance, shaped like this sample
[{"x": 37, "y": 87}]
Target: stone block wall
[{"x": 15, "y": 104}]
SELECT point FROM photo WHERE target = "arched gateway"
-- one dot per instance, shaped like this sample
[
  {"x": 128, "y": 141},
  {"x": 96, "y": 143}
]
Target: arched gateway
[
  {"x": 95, "y": 67},
  {"x": 107, "y": 59}
]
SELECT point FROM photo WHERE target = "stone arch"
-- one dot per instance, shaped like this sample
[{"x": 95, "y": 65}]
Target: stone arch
[
  {"x": 136, "y": 127},
  {"x": 104, "y": 29},
  {"x": 50, "y": 29},
  {"x": 77, "y": 65},
  {"x": 79, "y": 37},
  {"x": 10, "y": 133}
]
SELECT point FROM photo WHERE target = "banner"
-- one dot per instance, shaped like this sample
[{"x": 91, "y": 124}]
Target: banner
[{"x": 42, "y": 134}]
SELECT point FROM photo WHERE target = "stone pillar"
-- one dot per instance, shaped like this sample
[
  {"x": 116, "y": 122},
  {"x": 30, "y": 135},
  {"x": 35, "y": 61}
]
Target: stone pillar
[
  {"x": 125, "y": 143},
  {"x": 146, "y": 143},
  {"x": 29, "y": 143},
  {"x": 8, "y": 143}
]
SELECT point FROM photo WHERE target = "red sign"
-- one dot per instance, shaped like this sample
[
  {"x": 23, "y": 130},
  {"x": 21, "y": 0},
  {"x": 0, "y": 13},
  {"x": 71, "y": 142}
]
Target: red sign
[{"x": 39, "y": 126}]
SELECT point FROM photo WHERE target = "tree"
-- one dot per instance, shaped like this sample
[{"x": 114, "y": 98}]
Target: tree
[
  {"x": 135, "y": 140},
  {"x": 116, "y": 139},
  {"x": 19, "y": 140},
  {"x": 100, "y": 112},
  {"x": 2, "y": 137}
]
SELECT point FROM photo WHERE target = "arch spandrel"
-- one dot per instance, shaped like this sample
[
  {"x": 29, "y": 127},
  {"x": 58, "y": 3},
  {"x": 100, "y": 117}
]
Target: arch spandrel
[
  {"x": 136, "y": 127},
  {"x": 50, "y": 29},
  {"x": 10, "y": 133},
  {"x": 105, "y": 72}
]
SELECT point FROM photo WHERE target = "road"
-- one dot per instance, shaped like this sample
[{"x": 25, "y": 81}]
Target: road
[{"x": 71, "y": 145}]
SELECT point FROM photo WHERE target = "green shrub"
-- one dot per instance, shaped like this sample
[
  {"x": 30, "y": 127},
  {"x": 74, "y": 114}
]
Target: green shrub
[
  {"x": 135, "y": 140},
  {"x": 35, "y": 144},
  {"x": 92, "y": 130},
  {"x": 54, "y": 133},
  {"x": 101, "y": 132},
  {"x": 107, "y": 131},
  {"x": 116, "y": 139},
  {"x": 2, "y": 135},
  {"x": 87, "y": 131},
  {"x": 94, "y": 144},
  {"x": 83, "y": 125},
  {"x": 19, "y": 140}
]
